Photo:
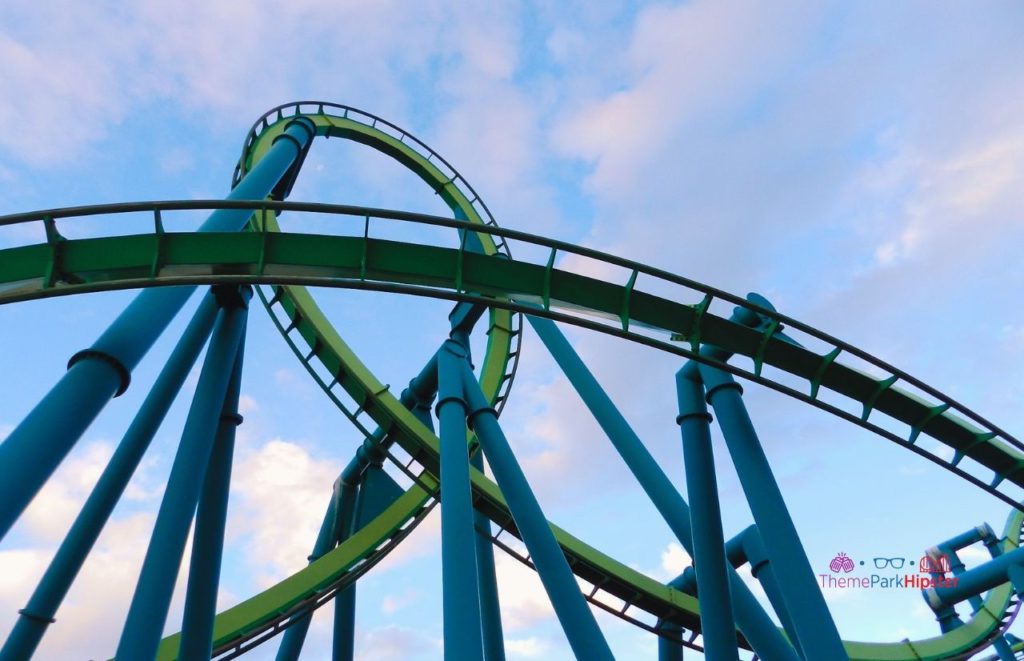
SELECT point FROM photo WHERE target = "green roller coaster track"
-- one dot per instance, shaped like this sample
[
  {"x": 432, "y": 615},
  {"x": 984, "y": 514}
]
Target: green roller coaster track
[{"x": 282, "y": 264}]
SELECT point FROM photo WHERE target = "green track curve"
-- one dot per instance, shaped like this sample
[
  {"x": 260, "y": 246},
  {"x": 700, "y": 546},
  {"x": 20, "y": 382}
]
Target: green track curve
[
  {"x": 30, "y": 272},
  {"x": 290, "y": 261}
]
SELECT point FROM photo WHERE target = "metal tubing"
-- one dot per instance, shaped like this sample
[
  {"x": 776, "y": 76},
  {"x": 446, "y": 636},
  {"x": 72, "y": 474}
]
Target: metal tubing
[
  {"x": 490, "y": 606},
  {"x": 709, "y": 561},
  {"x": 981, "y": 533},
  {"x": 816, "y": 630},
  {"x": 1004, "y": 650},
  {"x": 345, "y": 601},
  {"x": 148, "y": 612},
  {"x": 742, "y": 548},
  {"x": 975, "y": 581},
  {"x": 761, "y": 569},
  {"x": 577, "y": 621},
  {"x": 60, "y": 574},
  {"x": 757, "y": 627},
  {"x": 416, "y": 397},
  {"x": 670, "y": 650},
  {"x": 956, "y": 565},
  {"x": 208, "y": 538},
  {"x": 40, "y": 442},
  {"x": 461, "y": 593}
]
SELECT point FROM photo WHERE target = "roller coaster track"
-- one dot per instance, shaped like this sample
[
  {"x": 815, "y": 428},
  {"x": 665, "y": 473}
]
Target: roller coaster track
[{"x": 678, "y": 324}]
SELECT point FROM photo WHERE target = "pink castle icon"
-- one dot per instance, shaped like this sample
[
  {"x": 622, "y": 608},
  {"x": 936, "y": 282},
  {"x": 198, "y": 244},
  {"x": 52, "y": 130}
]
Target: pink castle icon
[{"x": 841, "y": 562}]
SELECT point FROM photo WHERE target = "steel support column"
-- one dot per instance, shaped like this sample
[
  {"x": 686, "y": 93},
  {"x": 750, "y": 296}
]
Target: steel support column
[
  {"x": 208, "y": 539},
  {"x": 60, "y": 574},
  {"x": 148, "y": 612},
  {"x": 976, "y": 581},
  {"x": 461, "y": 593},
  {"x": 490, "y": 606},
  {"x": 816, "y": 630},
  {"x": 337, "y": 524},
  {"x": 577, "y": 621},
  {"x": 670, "y": 650},
  {"x": 711, "y": 566},
  {"x": 344, "y": 639},
  {"x": 755, "y": 624},
  {"x": 40, "y": 442}
]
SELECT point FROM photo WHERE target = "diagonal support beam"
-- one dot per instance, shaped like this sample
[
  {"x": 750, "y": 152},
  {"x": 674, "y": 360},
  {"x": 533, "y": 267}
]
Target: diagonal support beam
[
  {"x": 152, "y": 599},
  {"x": 755, "y": 624},
  {"x": 577, "y": 621},
  {"x": 42, "y": 606},
  {"x": 815, "y": 628},
  {"x": 208, "y": 539},
  {"x": 32, "y": 452}
]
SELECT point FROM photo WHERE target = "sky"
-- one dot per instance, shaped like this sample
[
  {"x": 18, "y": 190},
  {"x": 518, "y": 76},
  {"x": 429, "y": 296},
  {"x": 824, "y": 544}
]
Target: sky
[{"x": 860, "y": 164}]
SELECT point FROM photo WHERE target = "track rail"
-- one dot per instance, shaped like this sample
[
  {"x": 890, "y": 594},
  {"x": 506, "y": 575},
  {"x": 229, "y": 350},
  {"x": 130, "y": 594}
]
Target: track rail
[
  {"x": 363, "y": 262},
  {"x": 69, "y": 266}
]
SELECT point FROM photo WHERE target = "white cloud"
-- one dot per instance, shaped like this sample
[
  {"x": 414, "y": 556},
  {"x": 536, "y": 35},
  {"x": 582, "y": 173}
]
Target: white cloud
[
  {"x": 282, "y": 493},
  {"x": 52, "y": 511},
  {"x": 109, "y": 575},
  {"x": 674, "y": 559},
  {"x": 530, "y": 648},
  {"x": 524, "y": 603},
  {"x": 247, "y": 405}
]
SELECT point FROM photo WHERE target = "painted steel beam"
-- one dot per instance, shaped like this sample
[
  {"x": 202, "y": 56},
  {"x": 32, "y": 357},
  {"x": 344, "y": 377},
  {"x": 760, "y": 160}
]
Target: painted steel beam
[{"x": 140, "y": 637}]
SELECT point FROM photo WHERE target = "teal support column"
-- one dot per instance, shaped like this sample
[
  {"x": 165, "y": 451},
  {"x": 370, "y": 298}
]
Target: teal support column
[
  {"x": 60, "y": 574},
  {"x": 670, "y": 650},
  {"x": 208, "y": 539},
  {"x": 490, "y": 606},
  {"x": 148, "y": 611},
  {"x": 743, "y": 548},
  {"x": 577, "y": 621},
  {"x": 716, "y": 620},
  {"x": 982, "y": 533},
  {"x": 760, "y": 568},
  {"x": 461, "y": 593},
  {"x": 35, "y": 448},
  {"x": 755, "y": 624},
  {"x": 344, "y": 640},
  {"x": 816, "y": 630},
  {"x": 978, "y": 580},
  {"x": 999, "y": 644},
  {"x": 337, "y": 525}
]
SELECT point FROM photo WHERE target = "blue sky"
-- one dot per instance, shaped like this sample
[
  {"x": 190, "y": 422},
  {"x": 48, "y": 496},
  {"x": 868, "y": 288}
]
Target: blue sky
[{"x": 862, "y": 165}]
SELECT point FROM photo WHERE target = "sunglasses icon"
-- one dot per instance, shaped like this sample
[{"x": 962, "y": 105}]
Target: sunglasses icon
[{"x": 895, "y": 563}]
